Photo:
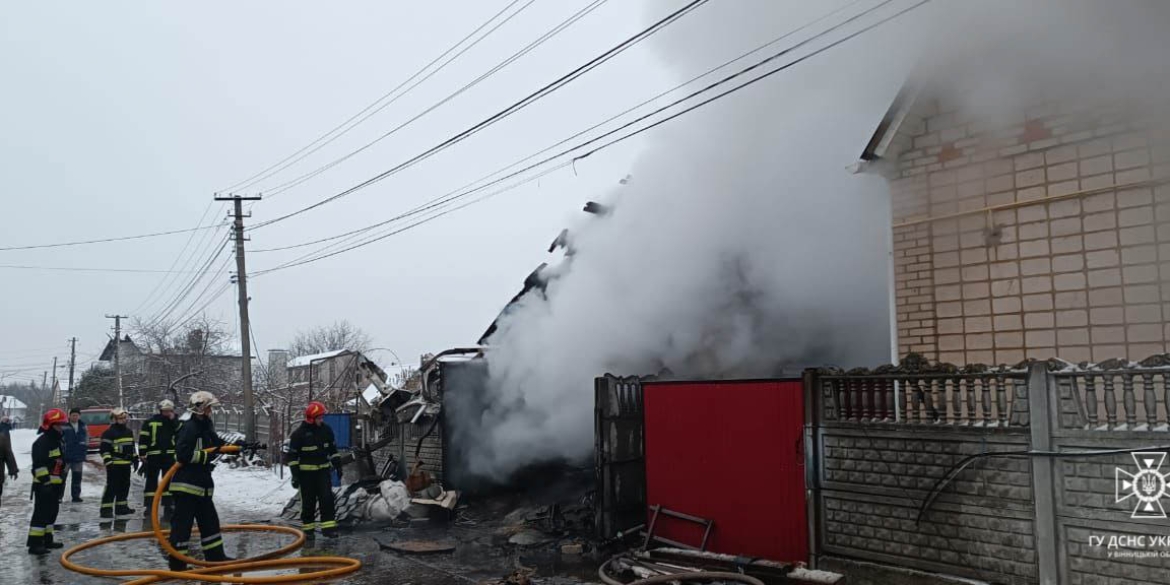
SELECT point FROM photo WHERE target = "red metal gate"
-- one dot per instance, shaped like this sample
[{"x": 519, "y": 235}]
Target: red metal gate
[{"x": 730, "y": 452}]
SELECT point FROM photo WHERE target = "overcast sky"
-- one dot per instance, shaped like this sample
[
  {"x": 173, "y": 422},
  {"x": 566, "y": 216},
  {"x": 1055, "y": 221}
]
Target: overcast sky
[{"x": 122, "y": 118}]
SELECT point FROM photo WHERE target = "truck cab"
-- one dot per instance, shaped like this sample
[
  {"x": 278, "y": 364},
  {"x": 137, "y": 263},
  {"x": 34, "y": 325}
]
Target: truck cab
[{"x": 97, "y": 420}]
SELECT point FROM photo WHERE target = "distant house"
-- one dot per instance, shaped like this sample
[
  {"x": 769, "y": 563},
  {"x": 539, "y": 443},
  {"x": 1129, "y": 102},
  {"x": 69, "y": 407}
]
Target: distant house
[
  {"x": 148, "y": 376},
  {"x": 14, "y": 409},
  {"x": 334, "y": 378}
]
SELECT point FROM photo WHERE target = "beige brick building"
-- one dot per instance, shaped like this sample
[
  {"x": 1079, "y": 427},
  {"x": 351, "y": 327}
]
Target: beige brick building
[{"x": 1037, "y": 232}]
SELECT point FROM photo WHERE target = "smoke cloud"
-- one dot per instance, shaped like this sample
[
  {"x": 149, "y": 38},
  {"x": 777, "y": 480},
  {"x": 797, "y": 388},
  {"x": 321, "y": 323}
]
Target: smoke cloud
[{"x": 741, "y": 246}]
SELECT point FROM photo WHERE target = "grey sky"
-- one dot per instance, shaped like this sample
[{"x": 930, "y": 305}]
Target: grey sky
[{"x": 123, "y": 118}]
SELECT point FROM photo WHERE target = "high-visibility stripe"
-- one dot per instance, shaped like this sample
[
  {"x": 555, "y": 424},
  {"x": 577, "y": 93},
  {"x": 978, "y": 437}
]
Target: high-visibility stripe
[
  {"x": 49, "y": 530},
  {"x": 41, "y": 471},
  {"x": 148, "y": 494},
  {"x": 329, "y": 524},
  {"x": 210, "y": 542},
  {"x": 56, "y": 479},
  {"x": 312, "y": 467},
  {"x": 36, "y": 531},
  {"x": 109, "y": 505},
  {"x": 107, "y": 441},
  {"x": 194, "y": 490},
  {"x": 150, "y": 453},
  {"x": 293, "y": 463},
  {"x": 212, "y": 545},
  {"x": 309, "y": 448},
  {"x": 54, "y": 453},
  {"x": 118, "y": 462},
  {"x": 122, "y": 440},
  {"x": 309, "y": 526}
]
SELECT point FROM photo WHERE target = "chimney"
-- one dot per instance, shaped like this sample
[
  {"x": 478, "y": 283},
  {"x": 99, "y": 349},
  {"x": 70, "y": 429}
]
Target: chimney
[{"x": 278, "y": 368}]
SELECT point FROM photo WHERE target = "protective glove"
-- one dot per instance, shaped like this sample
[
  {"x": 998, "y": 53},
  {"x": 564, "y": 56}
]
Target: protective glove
[
  {"x": 14, "y": 473},
  {"x": 296, "y": 483}
]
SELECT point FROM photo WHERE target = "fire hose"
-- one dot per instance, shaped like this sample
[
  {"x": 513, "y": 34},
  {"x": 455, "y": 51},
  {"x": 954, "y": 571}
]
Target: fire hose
[{"x": 328, "y": 567}]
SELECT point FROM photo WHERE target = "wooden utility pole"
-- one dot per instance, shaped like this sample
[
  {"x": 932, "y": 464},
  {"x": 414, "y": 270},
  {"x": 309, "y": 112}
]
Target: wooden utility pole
[
  {"x": 56, "y": 397},
  {"x": 72, "y": 363},
  {"x": 118, "y": 355},
  {"x": 245, "y": 326}
]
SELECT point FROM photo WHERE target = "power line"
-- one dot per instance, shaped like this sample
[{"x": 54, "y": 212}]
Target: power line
[
  {"x": 199, "y": 257},
  {"x": 333, "y": 134},
  {"x": 77, "y": 269},
  {"x": 158, "y": 285},
  {"x": 443, "y": 201},
  {"x": 183, "y": 293},
  {"x": 450, "y": 196},
  {"x": 523, "y": 103},
  {"x": 100, "y": 241},
  {"x": 496, "y": 69}
]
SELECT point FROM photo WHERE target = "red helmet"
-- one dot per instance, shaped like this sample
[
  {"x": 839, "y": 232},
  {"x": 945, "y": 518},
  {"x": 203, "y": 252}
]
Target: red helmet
[
  {"x": 54, "y": 416},
  {"x": 314, "y": 411}
]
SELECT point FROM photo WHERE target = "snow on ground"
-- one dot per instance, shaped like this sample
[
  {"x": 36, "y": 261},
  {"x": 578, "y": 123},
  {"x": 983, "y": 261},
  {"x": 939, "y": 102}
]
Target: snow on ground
[
  {"x": 258, "y": 491},
  {"x": 253, "y": 492}
]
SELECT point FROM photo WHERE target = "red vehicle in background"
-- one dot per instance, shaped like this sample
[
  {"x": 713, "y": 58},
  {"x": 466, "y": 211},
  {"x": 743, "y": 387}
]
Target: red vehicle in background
[{"x": 96, "y": 420}]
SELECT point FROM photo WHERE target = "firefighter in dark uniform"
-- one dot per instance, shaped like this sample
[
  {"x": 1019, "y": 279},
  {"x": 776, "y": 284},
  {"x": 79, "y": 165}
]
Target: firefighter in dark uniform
[
  {"x": 313, "y": 454},
  {"x": 156, "y": 447},
  {"x": 192, "y": 486},
  {"x": 118, "y": 455},
  {"x": 48, "y": 466}
]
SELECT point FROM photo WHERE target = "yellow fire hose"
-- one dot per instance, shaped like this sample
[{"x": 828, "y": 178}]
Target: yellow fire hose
[{"x": 221, "y": 572}]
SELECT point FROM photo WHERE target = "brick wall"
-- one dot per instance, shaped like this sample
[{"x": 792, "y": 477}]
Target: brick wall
[
  {"x": 874, "y": 482},
  {"x": 1084, "y": 277}
]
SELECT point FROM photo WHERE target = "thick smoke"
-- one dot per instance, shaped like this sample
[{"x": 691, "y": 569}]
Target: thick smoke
[{"x": 740, "y": 246}]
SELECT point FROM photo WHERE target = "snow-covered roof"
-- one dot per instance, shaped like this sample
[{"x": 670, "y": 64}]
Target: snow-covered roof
[
  {"x": 11, "y": 402},
  {"x": 458, "y": 357},
  {"x": 306, "y": 359}
]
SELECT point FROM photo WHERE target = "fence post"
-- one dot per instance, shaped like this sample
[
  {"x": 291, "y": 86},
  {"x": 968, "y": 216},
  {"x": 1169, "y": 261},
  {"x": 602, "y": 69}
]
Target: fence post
[
  {"x": 812, "y": 461},
  {"x": 1041, "y": 393}
]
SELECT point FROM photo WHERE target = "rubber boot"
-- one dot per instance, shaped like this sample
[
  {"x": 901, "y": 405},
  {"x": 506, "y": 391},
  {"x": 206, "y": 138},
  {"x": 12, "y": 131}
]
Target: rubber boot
[
  {"x": 107, "y": 513},
  {"x": 51, "y": 544},
  {"x": 175, "y": 564},
  {"x": 124, "y": 511}
]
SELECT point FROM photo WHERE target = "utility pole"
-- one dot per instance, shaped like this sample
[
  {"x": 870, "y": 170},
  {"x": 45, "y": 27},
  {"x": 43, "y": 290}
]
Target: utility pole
[
  {"x": 245, "y": 326},
  {"x": 72, "y": 363},
  {"x": 118, "y": 354},
  {"x": 56, "y": 397}
]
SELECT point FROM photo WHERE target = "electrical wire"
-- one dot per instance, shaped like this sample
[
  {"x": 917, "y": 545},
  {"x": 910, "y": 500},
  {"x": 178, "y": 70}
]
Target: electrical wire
[
  {"x": 175, "y": 264},
  {"x": 80, "y": 269},
  {"x": 99, "y": 241},
  {"x": 502, "y": 114},
  {"x": 169, "y": 308},
  {"x": 710, "y": 87},
  {"x": 170, "y": 290},
  {"x": 496, "y": 69},
  {"x": 333, "y": 134}
]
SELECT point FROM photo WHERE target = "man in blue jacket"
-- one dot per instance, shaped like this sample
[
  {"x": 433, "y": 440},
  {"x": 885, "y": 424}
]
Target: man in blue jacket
[{"x": 76, "y": 449}]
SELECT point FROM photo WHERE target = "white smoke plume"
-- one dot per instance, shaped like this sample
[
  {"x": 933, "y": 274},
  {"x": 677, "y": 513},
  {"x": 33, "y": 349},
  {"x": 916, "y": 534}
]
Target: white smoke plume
[{"x": 739, "y": 247}]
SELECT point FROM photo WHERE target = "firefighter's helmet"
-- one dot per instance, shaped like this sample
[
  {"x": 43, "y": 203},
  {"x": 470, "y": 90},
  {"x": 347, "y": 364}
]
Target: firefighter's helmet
[
  {"x": 118, "y": 412},
  {"x": 166, "y": 405},
  {"x": 54, "y": 416},
  {"x": 201, "y": 400},
  {"x": 314, "y": 411}
]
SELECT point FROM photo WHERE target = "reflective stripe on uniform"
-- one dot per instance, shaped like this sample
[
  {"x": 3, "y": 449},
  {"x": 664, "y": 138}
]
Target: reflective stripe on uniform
[
  {"x": 54, "y": 453},
  {"x": 309, "y": 526},
  {"x": 49, "y": 530},
  {"x": 312, "y": 467},
  {"x": 328, "y": 524},
  {"x": 123, "y": 440},
  {"x": 308, "y": 448},
  {"x": 210, "y": 542},
  {"x": 293, "y": 463},
  {"x": 109, "y": 505},
  {"x": 186, "y": 488},
  {"x": 41, "y": 472},
  {"x": 36, "y": 531},
  {"x": 119, "y": 462},
  {"x": 56, "y": 479}
]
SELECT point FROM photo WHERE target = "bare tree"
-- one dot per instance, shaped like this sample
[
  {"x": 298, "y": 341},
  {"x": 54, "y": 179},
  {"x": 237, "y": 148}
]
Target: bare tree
[
  {"x": 179, "y": 358},
  {"x": 339, "y": 335}
]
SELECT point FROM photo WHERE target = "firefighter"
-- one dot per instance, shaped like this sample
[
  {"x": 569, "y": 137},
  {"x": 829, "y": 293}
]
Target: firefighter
[
  {"x": 48, "y": 464},
  {"x": 313, "y": 452},
  {"x": 156, "y": 447},
  {"x": 192, "y": 486},
  {"x": 118, "y": 455}
]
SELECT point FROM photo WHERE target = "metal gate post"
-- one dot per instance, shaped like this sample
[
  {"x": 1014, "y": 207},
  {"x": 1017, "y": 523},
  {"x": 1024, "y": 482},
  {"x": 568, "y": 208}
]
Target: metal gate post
[{"x": 812, "y": 463}]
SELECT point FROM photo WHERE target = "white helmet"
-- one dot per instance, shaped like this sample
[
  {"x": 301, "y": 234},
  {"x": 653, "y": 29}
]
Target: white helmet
[
  {"x": 201, "y": 400},
  {"x": 117, "y": 412},
  {"x": 166, "y": 405}
]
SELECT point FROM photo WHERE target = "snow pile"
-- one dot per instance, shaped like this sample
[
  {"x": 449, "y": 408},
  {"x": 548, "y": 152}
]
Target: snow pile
[{"x": 392, "y": 499}]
